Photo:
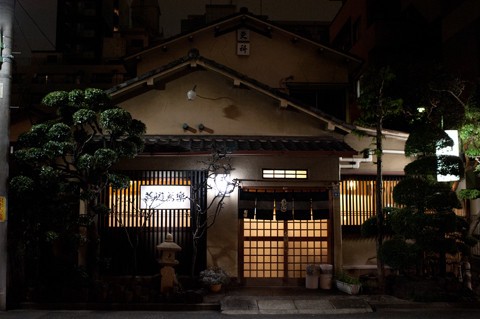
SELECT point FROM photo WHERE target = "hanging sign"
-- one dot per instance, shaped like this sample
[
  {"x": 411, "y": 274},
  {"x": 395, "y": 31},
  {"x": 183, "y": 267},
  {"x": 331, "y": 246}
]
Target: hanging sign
[
  {"x": 164, "y": 197},
  {"x": 243, "y": 42}
]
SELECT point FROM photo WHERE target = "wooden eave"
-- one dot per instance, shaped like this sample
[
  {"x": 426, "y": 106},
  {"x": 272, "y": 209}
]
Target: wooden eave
[{"x": 255, "y": 24}]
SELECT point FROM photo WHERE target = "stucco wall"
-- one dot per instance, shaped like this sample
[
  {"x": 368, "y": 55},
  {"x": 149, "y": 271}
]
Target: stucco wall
[
  {"x": 271, "y": 59},
  {"x": 220, "y": 107},
  {"x": 222, "y": 239},
  {"x": 359, "y": 251}
]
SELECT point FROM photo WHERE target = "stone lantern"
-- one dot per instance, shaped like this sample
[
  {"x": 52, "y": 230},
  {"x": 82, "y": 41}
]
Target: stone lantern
[{"x": 167, "y": 251}]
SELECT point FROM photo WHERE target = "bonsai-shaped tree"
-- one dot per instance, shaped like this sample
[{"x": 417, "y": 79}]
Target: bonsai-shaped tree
[
  {"x": 70, "y": 157},
  {"x": 427, "y": 217}
]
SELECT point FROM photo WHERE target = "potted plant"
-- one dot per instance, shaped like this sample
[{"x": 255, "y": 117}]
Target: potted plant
[
  {"x": 348, "y": 284},
  {"x": 214, "y": 277}
]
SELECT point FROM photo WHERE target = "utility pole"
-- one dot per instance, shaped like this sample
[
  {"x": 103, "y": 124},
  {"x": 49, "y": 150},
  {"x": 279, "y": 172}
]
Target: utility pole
[{"x": 6, "y": 61}]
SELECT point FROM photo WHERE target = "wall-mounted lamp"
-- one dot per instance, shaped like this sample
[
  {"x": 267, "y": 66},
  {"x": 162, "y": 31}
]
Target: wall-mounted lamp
[{"x": 191, "y": 94}]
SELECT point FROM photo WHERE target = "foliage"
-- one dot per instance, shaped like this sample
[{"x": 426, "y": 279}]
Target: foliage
[
  {"x": 63, "y": 161},
  {"x": 398, "y": 253},
  {"x": 378, "y": 101},
  {"x": 369, "y": 227},
  {"x": 426, "y": 225},
  {"x": 469, "y": 194},
  {"x": 214, "y": 275},
  {"x": 348, "y": 279}
]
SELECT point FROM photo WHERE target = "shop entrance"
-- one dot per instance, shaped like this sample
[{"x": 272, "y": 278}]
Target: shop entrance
[{"x": 281, "y": 233}]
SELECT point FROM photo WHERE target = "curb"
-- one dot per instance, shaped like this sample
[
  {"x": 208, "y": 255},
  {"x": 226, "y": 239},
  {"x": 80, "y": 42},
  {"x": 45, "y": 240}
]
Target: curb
[{"x": 118, "y": 306}]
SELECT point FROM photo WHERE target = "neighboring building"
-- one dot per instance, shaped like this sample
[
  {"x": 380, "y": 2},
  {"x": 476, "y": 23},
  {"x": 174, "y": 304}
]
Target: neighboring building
[{"x": 399, "y": 32}]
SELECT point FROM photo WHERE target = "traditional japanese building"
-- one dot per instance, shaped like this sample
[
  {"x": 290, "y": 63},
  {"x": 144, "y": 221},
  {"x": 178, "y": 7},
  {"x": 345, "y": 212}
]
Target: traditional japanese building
[{"x": 234, "y": 86}]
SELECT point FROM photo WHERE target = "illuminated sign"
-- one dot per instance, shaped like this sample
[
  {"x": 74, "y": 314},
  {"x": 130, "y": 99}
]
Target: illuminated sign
[
  {"x": 164, "y": 197},
  {"x": 453, "y": 151}
]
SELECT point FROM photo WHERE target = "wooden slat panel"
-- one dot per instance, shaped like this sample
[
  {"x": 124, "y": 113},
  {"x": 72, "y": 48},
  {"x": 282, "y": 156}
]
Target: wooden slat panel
[
  {"x": 357, "y": 197},
  {"x": 152, "y": 231}
]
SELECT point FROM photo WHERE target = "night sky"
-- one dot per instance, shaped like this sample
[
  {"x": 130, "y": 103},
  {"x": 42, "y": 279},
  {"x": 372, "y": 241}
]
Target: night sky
[{"x": 35, "y": 19}]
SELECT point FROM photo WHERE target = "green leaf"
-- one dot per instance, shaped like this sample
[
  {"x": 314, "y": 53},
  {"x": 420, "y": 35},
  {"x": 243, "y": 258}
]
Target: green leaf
[
  {"x": 84, "y": 116},
  {"x": 55, "y": 99},
  {"x": 97, "y": 100},
  {"x": 59, "y": 132},
  {"x": 104, "y": 158},
  {"x": 22, "y": 185},
  {"x": 118, "y": 181},
  {"x": 85, "y": 162},
  {"x": 116, "y": 121}
]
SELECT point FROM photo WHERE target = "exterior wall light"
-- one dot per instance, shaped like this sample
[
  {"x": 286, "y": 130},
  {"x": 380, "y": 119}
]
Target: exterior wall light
[{"x": 191, "y": 94}]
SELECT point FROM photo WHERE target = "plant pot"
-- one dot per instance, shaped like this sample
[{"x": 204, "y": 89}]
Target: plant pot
[
  {"x": 351, "y": 289},
  {"x": 215, "y": 287}
]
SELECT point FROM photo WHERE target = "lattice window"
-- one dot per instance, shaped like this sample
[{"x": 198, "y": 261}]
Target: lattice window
[
  {"x": 285, "y": 173},
  {"x": 357, "y": 197}
]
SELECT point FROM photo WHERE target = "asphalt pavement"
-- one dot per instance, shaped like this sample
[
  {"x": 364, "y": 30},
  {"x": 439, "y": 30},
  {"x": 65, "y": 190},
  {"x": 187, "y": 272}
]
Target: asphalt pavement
[{"x": 244, "y": 301}]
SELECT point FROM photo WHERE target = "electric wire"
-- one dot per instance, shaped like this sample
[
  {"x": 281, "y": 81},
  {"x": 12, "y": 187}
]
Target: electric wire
[{"x": 36, "y": 25}]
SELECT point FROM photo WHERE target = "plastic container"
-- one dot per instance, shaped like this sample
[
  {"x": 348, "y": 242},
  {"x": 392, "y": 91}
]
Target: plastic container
[
  {"x": 326, "y": 268},
  {"x": 326, "y": 281}
]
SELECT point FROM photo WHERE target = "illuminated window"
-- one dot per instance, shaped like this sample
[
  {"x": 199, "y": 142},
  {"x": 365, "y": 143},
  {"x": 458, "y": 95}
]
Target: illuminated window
[
  {"x": 357, "y": 197},
  {"x": 127, "y": 209},
  {"x": 285, "y": 173}
]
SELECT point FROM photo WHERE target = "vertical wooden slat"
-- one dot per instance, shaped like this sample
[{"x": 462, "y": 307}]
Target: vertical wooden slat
[
  {"x": 358, "y": 203},
  {"x": 127, "y": 202}
]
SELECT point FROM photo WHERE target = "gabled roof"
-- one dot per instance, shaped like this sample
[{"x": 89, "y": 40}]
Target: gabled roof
[
  {"x": 194, "y": 60},
  {"x": 247, "y": 20}
]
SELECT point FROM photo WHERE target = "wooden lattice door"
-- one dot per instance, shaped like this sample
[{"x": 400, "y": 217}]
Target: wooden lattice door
[{"x": 282, "y": 233}]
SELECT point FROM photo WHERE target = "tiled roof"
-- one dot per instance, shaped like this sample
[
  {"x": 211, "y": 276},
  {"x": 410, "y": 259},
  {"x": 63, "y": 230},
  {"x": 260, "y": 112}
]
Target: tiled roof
[{"x": 245, "y": 145}]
